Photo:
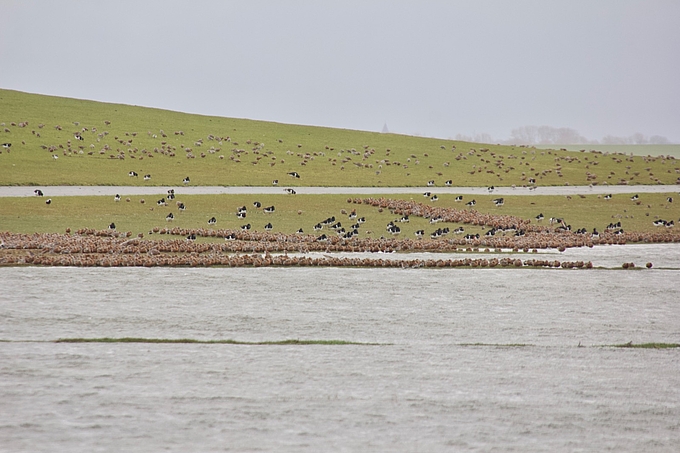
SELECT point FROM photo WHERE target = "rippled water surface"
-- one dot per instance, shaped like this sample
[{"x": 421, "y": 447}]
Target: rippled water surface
[{"x": 426, "y": 387}]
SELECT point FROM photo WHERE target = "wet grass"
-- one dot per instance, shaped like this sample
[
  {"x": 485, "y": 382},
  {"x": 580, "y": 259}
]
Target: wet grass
[
  {"x": 236, "y": 152},
  {"x": 235, "y": 342},
  {"x": 646, "y": 345},
  {"x": 31, "y": 214},
  {"x": 498, "y": 345}
]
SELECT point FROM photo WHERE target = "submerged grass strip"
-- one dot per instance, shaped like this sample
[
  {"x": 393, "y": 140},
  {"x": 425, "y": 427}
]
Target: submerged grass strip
[
  {"x": 498, "y": 345},
  {"x": 646, "y": 345},
  {"x": 192, "y": 341}
]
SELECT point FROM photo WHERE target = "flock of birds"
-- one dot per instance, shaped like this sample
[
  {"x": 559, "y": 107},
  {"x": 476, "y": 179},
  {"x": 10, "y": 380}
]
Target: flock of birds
[
  {"x": 88, "y": 247},
  {"x": 331, "y": 233},
  {"x": 392, "y": 228}
]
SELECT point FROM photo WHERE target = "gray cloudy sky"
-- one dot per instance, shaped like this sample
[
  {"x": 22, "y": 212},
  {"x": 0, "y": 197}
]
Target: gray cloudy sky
[{"x": 435, "y": 68}]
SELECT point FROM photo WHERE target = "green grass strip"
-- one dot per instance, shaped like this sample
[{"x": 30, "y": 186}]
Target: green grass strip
[
  {"x": 192, "y": 341},
  {"x": 499, "y": 345},
  {"x": 646, "y": 345}
]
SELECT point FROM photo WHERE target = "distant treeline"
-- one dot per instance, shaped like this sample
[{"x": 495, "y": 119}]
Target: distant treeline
[{"x": 548, "y": 135}]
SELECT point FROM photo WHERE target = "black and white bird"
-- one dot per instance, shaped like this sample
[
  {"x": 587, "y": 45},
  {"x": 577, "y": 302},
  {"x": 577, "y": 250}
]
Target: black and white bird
[
  {"x": 275, "y": 182},
  {"x": 147, "y": 177},
  {"x": 449, "y": 183},
  {"x": 7, "y": 145},
  {"x": 117, "y": 197},
  {"x": 38, "y": 193},
  {"x": 112, "y": 226},
  {"x": 269, "y": 209},
  {"x": 245, "y": 227},
  {"x": 212, "y": 221},
  {"x": 48, "y": 201},
  {"x": 471, "y": 203},
  {"x": 170, "y": 217},
  {"x": 290, "y": 191},
  {"x": 257, "y": 205},
  {"x": 132, "y": 174},
  {"x": 186, "y": 180},
  {"x": 268, "y": 227},
  {"x": 294, "y": 174},
  {"x": 459, "y": 198}
]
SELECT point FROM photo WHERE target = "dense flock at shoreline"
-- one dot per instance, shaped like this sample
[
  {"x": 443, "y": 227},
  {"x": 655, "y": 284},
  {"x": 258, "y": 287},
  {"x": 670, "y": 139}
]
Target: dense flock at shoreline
[{"x": 90, "y": 247}]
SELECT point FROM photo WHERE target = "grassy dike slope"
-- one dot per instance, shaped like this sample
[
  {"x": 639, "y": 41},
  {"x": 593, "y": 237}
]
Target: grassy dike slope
[{"x": 170, "y": 146}]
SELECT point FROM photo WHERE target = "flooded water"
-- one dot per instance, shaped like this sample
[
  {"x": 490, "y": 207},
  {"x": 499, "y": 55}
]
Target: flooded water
[{"x": 427, "y": 386}]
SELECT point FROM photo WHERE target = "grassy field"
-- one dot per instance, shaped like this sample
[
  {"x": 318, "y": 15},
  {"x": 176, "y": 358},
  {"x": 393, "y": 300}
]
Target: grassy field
[
  {"x": 169, "y": 146},
  {"x": 32, "y": 214},
  {"x": 636, "y": 150}
]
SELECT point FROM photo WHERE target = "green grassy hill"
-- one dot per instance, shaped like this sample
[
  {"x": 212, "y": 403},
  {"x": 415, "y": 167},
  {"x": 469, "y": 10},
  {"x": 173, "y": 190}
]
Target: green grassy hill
[{"x": 169, "y": 146}]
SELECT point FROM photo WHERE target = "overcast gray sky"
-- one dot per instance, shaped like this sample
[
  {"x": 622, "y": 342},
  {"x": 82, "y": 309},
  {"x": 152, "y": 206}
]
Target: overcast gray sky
[{"x": 434, "y": 68}]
